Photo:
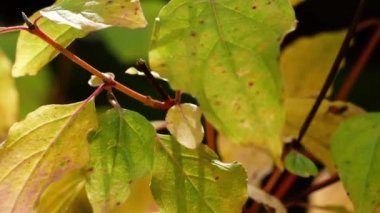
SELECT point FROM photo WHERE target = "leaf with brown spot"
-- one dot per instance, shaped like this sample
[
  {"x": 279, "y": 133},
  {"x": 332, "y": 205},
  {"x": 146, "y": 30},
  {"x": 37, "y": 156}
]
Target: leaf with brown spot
[{"x": 234, "y": 74}]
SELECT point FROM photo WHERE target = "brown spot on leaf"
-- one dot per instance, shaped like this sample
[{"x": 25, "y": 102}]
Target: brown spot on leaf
[
  {"x": 162, "y": 65},
  {"x": 217, "y": 103},
  {"x": 130, "y": 182},
  {"x": 269, "y": 2},
  {"x": 201, "y": 22},
  {"x": 216, "y": 178},
  {"x": 193, "y": 34},
  {"x": 118, "y": 203},
  {"x": 250, "y": 84},
  {"x": 91, "y": 169},
  {"x": 254, "y": 7},
  {"x": 109, "y": 2}
]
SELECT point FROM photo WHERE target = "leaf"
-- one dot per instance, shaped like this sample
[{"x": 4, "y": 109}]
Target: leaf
[
  {"x": 33, "y": 53},
  {"x": 121, "y": 152},
  {"x": 263, "y": 197},
  {"x": 8, "y": 96},
  {"x": 355, "y": 148},
  {"x": 257, "y": 163},
  {"x": 59, "y": 196},
  {"x": 204, "y": 48},
  {"x": 127, "y": 45},
  {"x": 317, "y": 138},
  {"x": 141, "y": 200},
  {"x": 95, "y": 15},
  {"x": 300, "y": 165},
  {"x": 40, "y": 149},
  {"x": 186, "y": 180},
  {"x": 184, "y": 123},
  {"x": 306, "y": 62}
]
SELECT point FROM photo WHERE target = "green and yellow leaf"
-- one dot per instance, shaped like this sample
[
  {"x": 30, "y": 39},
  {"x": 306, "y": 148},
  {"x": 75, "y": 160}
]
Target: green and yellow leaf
[
  {"x": 187, "y": 180},
  {"x": 232, "y": 71},
  {"x": 300, "y": 165},
  {"x": 50, "y": 142},
  {"x": 121, "y": 152},
  {"x": 95, "y": 15},
  {"x": 32, "y": 53}
]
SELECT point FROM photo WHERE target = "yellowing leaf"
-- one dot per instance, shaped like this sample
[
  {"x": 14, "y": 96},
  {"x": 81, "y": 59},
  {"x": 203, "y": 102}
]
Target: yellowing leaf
[
  {"x": 184, "y": 123},
  {"x": 59, "y": 196},
  {"x": 257, "y": 162},
  {"x": 187, "y": 180},
  {"x": 8, "y": 97},
  {"x": 306, "y": 63},
  {"x": 141, "y": 199},
  {"x": 355, "y": 148},
  {"x": 300, "y": 165},
  {"x": 33, "y": 53},
  {"x": 296, "y": 2},
  {"x": 40, "y": 149},
  {"x": 121, "y": 153},
  {"x": 95, "y": 15},
  {"x": 317, "y": 138},
  {"x": 232, "y": 71}
]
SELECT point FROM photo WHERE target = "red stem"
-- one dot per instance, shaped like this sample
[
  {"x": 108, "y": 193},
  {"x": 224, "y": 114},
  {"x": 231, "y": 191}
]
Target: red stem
[
  {"x": 359, "y": 65},
  {"x": 210, "y": 136}
]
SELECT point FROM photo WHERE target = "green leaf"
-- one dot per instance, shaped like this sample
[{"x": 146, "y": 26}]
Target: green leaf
[
  {"x": 184, "y": 123},
  {"x": 33, "y": 53},
  {"x": 8, "y": 96},
  {"x": 59, "y": 196},
  {"x": 95, "y": 15},
  {"x": 186, "y": 180},
  {"x": 204, "y": 48},
  {"x": 121, "y": 152},
  {"x": 317, "y": 138},
  {"x": 300, "y": 165},
  {"x": 355, "y": 148},
  {"x": 306, "y": 62},
  {"x": 40, "y": 149}
]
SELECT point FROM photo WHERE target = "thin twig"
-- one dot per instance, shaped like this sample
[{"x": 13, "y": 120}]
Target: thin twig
[
  {"x": 35, "y": 30},
  {"x": 333, "y": 71},
  {"x": 141, "y": 65},
  {"x": 359, "y": 65}
]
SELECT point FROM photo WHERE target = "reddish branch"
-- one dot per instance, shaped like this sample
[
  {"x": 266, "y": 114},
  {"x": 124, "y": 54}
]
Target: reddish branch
[{"x": 35, "y": 30}]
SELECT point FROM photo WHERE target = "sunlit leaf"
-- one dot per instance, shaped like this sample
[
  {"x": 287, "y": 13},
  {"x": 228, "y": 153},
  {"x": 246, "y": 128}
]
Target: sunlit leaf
[
  {"x": 186, "y": 180},
  {"x": 317, "y": 138},
  {"x": 121, "y": 152},
  {"x": 40, "y": 149},
  {"x": 131, "y": 44},
  {"x": 300, "y": 165},
  {"x": 32, "y": 53},
  {"x": 59, "y": 196},
  {"x": 184, "y": 123},
  {"x": 95, "y": 15},
  {"x": 306, "y": 62},
  {"x": 263, "y": 197},
  {"x": 8, "y": 96},
  {"x": 355, "y": 149},
  {"x": 233, "y": 72}
]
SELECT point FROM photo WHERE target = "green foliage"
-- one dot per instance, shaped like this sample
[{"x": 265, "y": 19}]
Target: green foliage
[
  {"x": 32, "y": 53},
  {"x": 231, "y": 71},
  {"x": 184, "y": 123},
  {"x": 95, "y": 15},
  {"x": 121, "y": 152},
  {"x": 300, "y": 165},
  {"x": 224, "y": 53},
  {"x": 186, "y": 180},
  {"x": 40, "y": 149},
  {"x": 356, "y": 151}
]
